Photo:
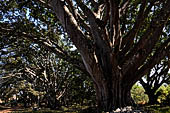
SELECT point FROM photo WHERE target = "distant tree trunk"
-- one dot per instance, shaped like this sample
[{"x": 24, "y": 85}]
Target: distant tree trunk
[
  {"x": 153, "y": 98},
  {"x": 152, "y": 95},
  {"x": 154, "y": 80},
  {"x": 52, "y": 101}
]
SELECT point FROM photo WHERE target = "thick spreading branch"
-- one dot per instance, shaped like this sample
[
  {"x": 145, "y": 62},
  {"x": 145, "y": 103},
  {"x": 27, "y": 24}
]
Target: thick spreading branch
[
  {"x": 114, "y": 23},
  {"x": 70, "y": 24},
  {"x": 74, "y": 32},
  {"x": 128, "y": 39},
  {"x": 92, "y": 21},
  {"x": 145, "y": 45},
  {"x": 155, "y": 59}
]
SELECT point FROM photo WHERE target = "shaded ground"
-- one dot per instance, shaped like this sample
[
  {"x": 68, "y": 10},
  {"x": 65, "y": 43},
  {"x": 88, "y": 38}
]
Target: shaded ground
[
  {"x": 157, "y": 109},
  {"x": 5, "y": 111},
  {"x": 9, "y": 109},
  {"x": 79, "y": 109},
  {"x": 71, "y": 109}
]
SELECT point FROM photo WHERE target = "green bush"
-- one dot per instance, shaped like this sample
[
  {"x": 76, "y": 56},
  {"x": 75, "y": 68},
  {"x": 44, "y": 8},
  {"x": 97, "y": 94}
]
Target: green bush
[
  {"x": 164, "y": 98},
  {"x": 138, "y": 94}
]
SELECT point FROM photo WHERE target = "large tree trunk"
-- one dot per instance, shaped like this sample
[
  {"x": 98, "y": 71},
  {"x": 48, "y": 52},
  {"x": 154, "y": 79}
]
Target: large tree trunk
[
  {"x": 109, "y": 57},
  {"x": 112, "y": 94},
  {"x": 112, "y": 84}
]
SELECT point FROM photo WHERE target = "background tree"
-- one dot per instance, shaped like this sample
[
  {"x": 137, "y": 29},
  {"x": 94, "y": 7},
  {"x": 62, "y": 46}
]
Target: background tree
[
  {"x": 36, "y": 75},
  {"x": 154, "y": 79},
  {"x": 115, "y": 39},
  {"x": 81, "y": 91},
  {"x": 165, "y": 95}
]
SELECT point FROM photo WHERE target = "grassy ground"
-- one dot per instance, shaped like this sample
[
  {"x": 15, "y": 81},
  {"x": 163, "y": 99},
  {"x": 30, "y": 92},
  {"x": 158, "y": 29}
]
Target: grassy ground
[
  {"x": 2, "y": 107},
  {"x": 157, "y": 109},
  {"x": 72, "y": 109},
  {"x": 86, "y": 109}
]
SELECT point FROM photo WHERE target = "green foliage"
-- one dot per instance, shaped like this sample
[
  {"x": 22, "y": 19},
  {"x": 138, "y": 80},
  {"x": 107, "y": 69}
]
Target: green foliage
[
  {"x": 81, "y": 90},
  {"x": 165, "y": 94},
  {"x": 138, "y": 94},
  {"x": 33, "y": 41},
  {"x": 26, "y": 65},
  {"x": 42, "y": 73}
]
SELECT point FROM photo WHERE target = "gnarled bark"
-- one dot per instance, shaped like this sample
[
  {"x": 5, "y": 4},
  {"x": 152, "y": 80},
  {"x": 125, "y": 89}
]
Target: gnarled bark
[
  {"x": 112, "y": 95},
  {"x": 114, "y": 62}
]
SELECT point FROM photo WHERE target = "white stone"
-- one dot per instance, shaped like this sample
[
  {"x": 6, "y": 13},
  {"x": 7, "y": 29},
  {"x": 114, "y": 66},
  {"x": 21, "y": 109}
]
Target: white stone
[{"x": 118, "y": 110}]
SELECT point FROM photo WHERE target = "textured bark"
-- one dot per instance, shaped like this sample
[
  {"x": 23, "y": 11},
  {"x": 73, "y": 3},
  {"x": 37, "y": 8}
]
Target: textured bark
[
  {"x": 114, "y": 61},
  {"x": 112, "y": 90},
  {"x": 112, "y": 95}
]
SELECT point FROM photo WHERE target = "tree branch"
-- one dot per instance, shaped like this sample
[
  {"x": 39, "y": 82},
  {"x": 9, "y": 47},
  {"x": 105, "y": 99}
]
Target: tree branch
[
  {"x": 155, "y": 59},
  {"x": 71, "y": 8},
  {"x": 83, "y": 24},
  {"x": 72, "y": 28},
  {"x": 149, "y": 39},
  {"x": 123, "y": 7},
  {"x": 69, "y": 23},
  {"x": 92, "y": 21},
  {"x": 57, "y": 50},
  {"x": 128, "y": 39},
  {"x": 114, "y": 22}
]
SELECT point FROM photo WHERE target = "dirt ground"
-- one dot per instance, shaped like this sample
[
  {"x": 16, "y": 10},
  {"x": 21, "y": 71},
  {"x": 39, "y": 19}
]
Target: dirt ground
[{"x": 6, "y": 111}]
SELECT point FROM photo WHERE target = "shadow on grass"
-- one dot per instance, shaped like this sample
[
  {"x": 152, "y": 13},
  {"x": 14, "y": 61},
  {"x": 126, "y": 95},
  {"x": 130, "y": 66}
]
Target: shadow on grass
[
  {"x": 3, "y": 108},
  {"x": 157, "y": 109},
  {"x": 72, "y": 109},
  {"x": 86, "y": 109}
]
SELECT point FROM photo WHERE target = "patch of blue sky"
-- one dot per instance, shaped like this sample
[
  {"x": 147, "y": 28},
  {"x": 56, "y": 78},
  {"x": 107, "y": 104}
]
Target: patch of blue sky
[
  {"x": 35, "y": 46},
  {"x": 9, "y": 17},
  {"x": 4, "y": 49},
  {"x": 35, "y": 21}
]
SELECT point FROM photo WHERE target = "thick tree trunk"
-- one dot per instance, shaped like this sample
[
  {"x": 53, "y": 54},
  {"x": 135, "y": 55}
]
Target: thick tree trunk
[
  {"x": 107, "y": 54},
  {"x": 112, "y": 87},
  {"x": 112, "y": 94}
]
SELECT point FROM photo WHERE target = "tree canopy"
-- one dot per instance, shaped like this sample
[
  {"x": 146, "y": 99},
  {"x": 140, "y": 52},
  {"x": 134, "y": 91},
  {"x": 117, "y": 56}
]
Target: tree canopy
[
  {"x": 157, "y": 77},
  {"x": 118, "y": 42}
]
